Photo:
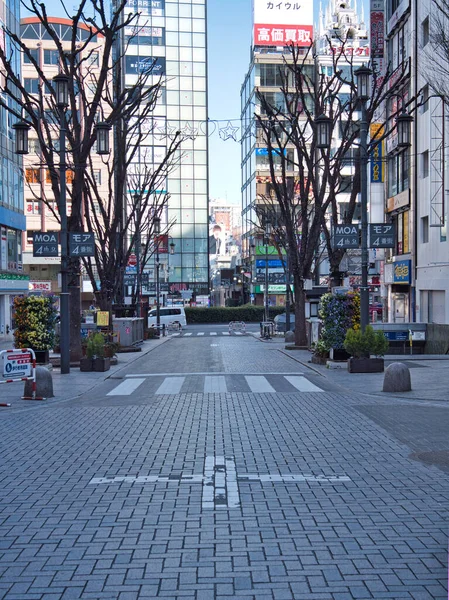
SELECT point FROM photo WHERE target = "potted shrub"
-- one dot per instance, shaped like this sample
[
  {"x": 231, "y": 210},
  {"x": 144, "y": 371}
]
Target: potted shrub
[
  {"x": 95, "y": 359},
  {"x": 320, "y": 353},
  {"x": 87, "y": 361},
  {"x": 361, "y": 345},
  {"x": 35, "y": 318},
  {"x": 100, "y": 361}
]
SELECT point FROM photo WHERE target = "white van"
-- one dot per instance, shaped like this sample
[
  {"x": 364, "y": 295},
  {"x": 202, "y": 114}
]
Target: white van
[{"x": 171, "y": 314}]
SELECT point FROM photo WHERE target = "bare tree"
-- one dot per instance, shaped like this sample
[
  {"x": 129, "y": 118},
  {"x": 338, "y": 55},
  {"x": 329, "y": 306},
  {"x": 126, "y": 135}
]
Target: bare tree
[
  {"x": 95, "y": 92},
  {"x": 306, "y": 180},
  {"x": 435, "y": 49}
]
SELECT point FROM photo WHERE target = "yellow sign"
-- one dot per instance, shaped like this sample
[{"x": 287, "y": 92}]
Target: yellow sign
[{"x": 103, "y": 318}]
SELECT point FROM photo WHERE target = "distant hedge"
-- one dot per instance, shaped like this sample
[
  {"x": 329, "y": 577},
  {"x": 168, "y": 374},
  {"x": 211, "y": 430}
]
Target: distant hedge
[{"x": 218, "y": 314}]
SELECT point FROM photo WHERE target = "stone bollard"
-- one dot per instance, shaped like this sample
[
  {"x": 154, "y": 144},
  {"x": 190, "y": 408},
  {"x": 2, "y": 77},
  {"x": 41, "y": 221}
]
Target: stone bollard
[
  {"x": 44, "y": 384},
  {"x": 397, "y": 378},
  {"x": 289, "y": 337}
]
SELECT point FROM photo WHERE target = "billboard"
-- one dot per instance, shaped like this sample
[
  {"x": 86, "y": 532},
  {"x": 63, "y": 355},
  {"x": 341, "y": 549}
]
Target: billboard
[
  {"x": 145, "y": 64},
  {"x": 280, "y": 23}
]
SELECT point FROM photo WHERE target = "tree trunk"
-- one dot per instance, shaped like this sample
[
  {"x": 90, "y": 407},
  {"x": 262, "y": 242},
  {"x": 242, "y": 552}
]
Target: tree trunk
[
  {"x": 335, "y": 277},
  {"x": 300, "y": 312}
]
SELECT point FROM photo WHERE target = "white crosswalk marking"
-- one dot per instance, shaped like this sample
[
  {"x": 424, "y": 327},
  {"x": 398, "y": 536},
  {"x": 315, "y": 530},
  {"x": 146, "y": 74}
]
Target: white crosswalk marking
[
  {"x": 201, "y": 333},
  {"x": 302, "y": 384},
  {"x": 171, "y": 385},
  {"x": 258, "y": 384},
  {"x": 127, "y": 387},
  {"x": 187, "y": 334},
  {"x": 213, "y": 333},
  {"x": 238, "y": 333},
  {"x": 175, "y": 334},
  {"x": 226, "y": 333},
  {"x": 215, "y": 385}
]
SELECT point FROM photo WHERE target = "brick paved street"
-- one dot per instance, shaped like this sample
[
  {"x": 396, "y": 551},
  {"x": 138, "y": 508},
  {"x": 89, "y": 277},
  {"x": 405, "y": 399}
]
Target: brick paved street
[{"x": 238, "y": 494}]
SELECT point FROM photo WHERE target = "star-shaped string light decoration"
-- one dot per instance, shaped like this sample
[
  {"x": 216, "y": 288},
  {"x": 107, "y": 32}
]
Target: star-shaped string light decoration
[
  {"x": 189, "y": 132},
  {"x": 229, "y": 132}
]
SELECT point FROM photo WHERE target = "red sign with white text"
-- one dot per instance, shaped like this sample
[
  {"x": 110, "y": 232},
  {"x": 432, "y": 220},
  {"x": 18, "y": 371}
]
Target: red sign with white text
[{"x": 282, "y": 35}]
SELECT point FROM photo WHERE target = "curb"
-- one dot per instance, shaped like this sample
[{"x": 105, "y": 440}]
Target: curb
[{"x": 100, "y": 380}]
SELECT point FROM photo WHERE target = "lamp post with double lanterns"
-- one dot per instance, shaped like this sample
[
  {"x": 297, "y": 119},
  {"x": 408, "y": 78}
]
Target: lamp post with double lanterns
[
  {"x": 157, "y": 233},
  {"x": 324, "y": 126},
  {"x": 22, "y": 128}
]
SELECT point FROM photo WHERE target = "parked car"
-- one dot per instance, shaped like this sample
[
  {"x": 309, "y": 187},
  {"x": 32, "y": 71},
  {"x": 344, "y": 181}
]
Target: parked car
[
  {"x": 172, "y": 314},
  {"x": 280, "y": 320}
]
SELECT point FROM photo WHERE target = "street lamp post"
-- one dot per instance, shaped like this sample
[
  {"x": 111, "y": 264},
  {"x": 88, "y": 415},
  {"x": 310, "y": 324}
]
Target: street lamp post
[
  {"x": 137, "y": 246},
  {"x": 157, "y": 231},
  {"x": 61, "y": 82},
  {"x": 363, "y": 75},
  {"x": 267, "y": 239},
  {"x": 62, "y": 100},
  {"x": 287, "y": 290}
]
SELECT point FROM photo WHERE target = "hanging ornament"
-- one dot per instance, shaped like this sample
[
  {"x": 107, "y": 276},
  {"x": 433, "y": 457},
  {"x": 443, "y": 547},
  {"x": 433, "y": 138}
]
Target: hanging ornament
[
  {"x": 189, "y": 132},
  {"x": 229, "y": 132}
]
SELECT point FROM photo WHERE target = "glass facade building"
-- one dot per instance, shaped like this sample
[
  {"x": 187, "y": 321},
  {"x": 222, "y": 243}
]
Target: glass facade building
[
  {"x": 170, "y": 36},
  {"x": 12, "y": 219}
]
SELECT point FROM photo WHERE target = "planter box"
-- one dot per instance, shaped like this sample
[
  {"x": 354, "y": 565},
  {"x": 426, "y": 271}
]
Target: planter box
[
  {"x": 101, "y": 364},
  {"x": 338, "y": 354},
  {"x": 42, "y": 357},
  {"x": 86, "y": 364},
  {"x": 319, "y": 360},
  {"x": 366, "y": 365}
]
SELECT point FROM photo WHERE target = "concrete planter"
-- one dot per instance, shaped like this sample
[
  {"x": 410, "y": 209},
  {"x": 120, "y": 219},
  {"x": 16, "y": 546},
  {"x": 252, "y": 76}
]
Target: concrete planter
[
  {"x": 338, "y": 354},
  {"x": 365, "y": 365},
  {"x": 42, "y": 357},
  {"x": 86, "y": 364},
  {"x": 319, "y": 360},
  {"x": 101, "y": 364}
]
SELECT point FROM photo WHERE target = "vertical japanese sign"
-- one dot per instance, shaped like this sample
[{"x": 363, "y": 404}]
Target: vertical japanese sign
[
  {"x": 377, "y": 169},
  {"x": 280, "y": 23},
  {"x": 377, "y": 30}
]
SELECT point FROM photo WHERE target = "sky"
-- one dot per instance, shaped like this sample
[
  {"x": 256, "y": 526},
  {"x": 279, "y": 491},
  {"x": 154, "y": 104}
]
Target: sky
[
  {"x": 229, "y": 43},
  {"x": 229, "y": 30}
]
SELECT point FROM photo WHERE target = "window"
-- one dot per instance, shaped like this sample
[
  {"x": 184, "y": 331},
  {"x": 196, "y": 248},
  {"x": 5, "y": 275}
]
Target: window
[
  {"x": 97, "y": 176},
  {"x": 93, "y": 59},
  {"x": 425, "y": 32},
  {"x": 31, "y": 85},
  {"x": 425, "y": 99},
  {"x": 33, "y": 207},
  {"x": 424, "y": 230},
  {"x": 30, "y": 235},
  {"x": 425, "y": 164},
  {"x": 32, "y": 176},
  {"x": 51, "y": 57},
  {"x": 34, "y": 53},
  {"x": 398, "y": 173}
]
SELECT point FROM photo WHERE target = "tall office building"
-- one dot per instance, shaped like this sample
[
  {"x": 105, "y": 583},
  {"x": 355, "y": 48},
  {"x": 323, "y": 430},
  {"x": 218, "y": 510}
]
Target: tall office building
[
  {"x": 170, "y": 39},
  {"x": 12, "y": 219},
  {"x": 275, "y": 27}
]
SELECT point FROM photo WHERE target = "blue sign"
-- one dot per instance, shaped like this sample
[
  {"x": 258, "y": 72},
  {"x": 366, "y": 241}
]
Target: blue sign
[
  {"x": 271, "y": 263},
  {"x": 145, "y": 64},
  {"x": 396, "y": 336},
  {"x": 264, "y": 151},
  {"x": 402, "y": 272}
]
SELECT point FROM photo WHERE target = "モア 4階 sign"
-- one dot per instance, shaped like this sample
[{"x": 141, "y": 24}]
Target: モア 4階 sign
[{"x": 16, "y": 365}]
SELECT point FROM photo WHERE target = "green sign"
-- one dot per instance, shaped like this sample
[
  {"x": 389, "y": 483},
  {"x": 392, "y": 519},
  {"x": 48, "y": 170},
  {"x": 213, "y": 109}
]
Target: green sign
[
  {"x": 264, "y": 250},
  {"x": 272, "y": 289}
]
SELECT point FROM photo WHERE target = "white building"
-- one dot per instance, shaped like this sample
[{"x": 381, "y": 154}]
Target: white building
[{"x": 417, "y": 273}]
